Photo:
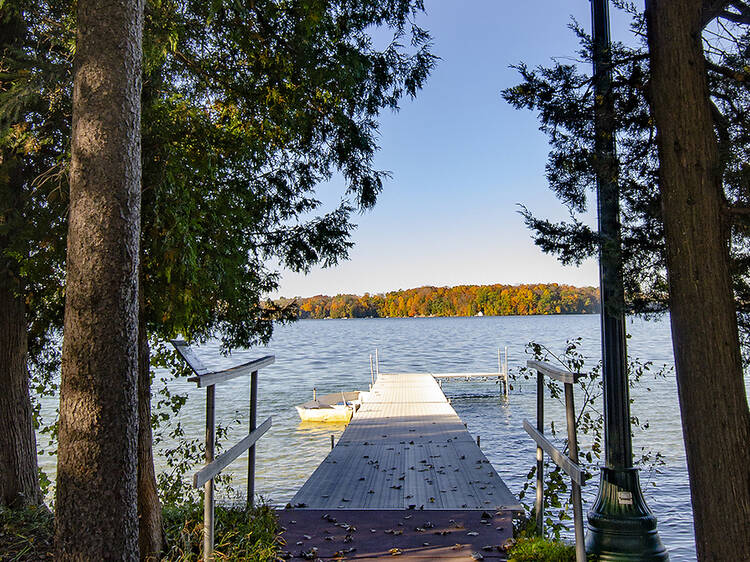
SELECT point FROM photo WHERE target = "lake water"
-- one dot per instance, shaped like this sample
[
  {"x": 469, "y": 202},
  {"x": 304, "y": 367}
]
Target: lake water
[{"x": 333, "y": 355}]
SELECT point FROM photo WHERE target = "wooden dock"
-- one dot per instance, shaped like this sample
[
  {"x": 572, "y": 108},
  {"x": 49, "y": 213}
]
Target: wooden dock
[{"x": 405, "y": 455}]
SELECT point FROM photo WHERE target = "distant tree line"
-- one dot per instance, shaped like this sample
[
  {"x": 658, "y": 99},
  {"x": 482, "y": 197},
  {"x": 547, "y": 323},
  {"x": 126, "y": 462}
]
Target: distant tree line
[{"x": 463, "y": 300}]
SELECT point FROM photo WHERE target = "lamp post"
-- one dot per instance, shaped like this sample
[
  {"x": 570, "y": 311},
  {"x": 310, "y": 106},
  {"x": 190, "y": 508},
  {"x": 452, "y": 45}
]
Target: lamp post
[{"x": 620, "y": 525}]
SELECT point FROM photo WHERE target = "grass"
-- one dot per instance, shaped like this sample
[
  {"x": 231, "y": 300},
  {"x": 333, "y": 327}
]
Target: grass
[
  {"x": 26, "y": 534},
  {"x": 241, "y": 534},
  {"x": 530, "y": 549}
]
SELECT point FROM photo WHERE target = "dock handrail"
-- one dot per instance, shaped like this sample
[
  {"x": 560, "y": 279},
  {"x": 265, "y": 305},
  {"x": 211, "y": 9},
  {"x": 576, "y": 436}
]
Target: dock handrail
[
  {"x": 569, "y": 463},
  {"x": 501, "y": 374},
  {"x": 205, "y": 476}
]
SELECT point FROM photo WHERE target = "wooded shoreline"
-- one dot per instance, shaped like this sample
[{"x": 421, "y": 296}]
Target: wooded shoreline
[{"x": 461, "y": 300}]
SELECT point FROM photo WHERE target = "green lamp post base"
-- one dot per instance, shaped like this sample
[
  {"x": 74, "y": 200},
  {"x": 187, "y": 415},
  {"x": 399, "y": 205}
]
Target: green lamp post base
[{"x": 621, "y": 527}]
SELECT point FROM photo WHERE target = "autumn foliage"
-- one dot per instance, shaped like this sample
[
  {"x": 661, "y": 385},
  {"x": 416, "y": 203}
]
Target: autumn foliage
[{"x": 463, "y": 300}]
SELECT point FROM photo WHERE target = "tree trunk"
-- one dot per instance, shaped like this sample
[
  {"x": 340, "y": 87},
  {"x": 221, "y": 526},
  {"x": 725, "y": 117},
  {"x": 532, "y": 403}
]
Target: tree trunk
[
  {"x": 96, "y": 515},
  {"x": 149, "y": 506},
  {"x": 715, "y": 417},
  {"x": 19, "y": 476}
]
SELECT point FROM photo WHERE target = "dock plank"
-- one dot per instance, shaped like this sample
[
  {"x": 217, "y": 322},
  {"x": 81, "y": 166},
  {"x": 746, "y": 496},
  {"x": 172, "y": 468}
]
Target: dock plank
[{"x": 406, "y": 448}]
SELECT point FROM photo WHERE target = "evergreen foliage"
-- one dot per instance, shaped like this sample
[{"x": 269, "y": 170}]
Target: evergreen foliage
[
  {"x": 35, "y": 91},
  {"x": 562, "y": 95},
  {"x": 248, "y": 108},
  {"x": 34, "y": 110}
]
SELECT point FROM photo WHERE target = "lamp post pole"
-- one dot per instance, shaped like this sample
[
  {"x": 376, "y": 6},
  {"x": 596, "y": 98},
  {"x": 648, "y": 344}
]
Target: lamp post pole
[{"x": 620, "y": 525}]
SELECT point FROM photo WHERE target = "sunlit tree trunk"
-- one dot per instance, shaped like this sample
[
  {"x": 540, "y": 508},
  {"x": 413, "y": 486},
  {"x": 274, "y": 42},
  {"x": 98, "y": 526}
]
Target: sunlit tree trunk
[
  {"x": 715, "y": 418},
  {"x": 96, "y": 506}
]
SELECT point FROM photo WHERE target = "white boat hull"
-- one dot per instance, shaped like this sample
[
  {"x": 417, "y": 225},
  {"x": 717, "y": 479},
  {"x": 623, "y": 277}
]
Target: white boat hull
[
  {"x": 326, "y": 414},
  {"x": 338, "y": 407}
]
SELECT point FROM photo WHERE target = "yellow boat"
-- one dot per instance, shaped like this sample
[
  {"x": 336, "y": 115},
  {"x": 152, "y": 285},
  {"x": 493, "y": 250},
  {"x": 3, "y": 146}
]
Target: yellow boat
[{"x": 335, "y": 407}]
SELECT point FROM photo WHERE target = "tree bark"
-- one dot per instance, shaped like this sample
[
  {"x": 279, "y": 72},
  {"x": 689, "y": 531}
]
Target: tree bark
[
  {"x": 19, "y": 476},
  {"x": 149, "y": 506},
  {"x": 96, "y": 516},
  {"x": 715, "y": 417}
]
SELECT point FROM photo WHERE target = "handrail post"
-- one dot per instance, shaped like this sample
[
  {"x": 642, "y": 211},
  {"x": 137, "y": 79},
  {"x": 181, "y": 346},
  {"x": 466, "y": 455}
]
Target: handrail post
[
  {"x": 208, "y": 496},
  {"x": 208, "y": 380},
  {"x": 377, "y": 363},
  {"x": 539, "y": 505},
  {"x": 570, "y": 413},
  {"x": 569, "y": 462},
  {"x": 253, "y": 425},
  {"x": 372, "y": 373},
  {"x": 507, "y": 381}
]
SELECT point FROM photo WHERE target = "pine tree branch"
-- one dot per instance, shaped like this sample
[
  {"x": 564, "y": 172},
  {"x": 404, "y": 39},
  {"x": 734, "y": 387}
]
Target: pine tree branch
[
  {"x": 727, "y": 72},
  {"x": 743, "y": 18},
  {"x": 712, "y": 9}
]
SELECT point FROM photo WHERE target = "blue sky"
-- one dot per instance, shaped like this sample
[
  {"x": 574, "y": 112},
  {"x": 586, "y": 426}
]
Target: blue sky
[{"x": 462, "y": 160}]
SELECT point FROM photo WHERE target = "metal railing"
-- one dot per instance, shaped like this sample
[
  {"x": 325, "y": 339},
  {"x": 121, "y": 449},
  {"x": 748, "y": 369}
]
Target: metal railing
[
  {"x": 501, "y": 374},
  {"x": 569, "y": 462},
  {"x": 205, "y": 476}
]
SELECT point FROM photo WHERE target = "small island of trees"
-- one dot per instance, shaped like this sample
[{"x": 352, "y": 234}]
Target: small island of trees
[{"x": 462, "y": 300}]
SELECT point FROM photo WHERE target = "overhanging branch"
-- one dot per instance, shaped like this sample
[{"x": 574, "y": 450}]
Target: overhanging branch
[{"x": 713, "y": 9}]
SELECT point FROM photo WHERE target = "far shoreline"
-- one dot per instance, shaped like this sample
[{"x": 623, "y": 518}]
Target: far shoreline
[{"x": 456, "y": 316}]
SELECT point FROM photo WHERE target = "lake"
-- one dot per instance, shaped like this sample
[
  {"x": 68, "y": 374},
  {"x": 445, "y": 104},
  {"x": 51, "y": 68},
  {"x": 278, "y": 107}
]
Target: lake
[{"x": 333, "y": 355}]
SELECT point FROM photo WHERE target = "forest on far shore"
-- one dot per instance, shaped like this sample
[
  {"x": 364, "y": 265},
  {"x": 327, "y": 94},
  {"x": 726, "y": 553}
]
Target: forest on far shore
[{"x": 462, "y": 300}]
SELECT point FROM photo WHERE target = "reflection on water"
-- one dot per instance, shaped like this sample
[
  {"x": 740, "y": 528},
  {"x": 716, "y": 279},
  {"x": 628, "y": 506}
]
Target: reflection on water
[
  {"x": 333, "y": 356},
  {"x": 316, "y": 429}
]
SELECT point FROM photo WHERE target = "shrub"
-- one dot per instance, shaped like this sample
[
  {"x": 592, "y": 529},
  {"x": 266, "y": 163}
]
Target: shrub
[
  {"x": 242, "y": 533},
  {"x": 530, "y": 549},
  {"x": 27, "y": 535}
]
